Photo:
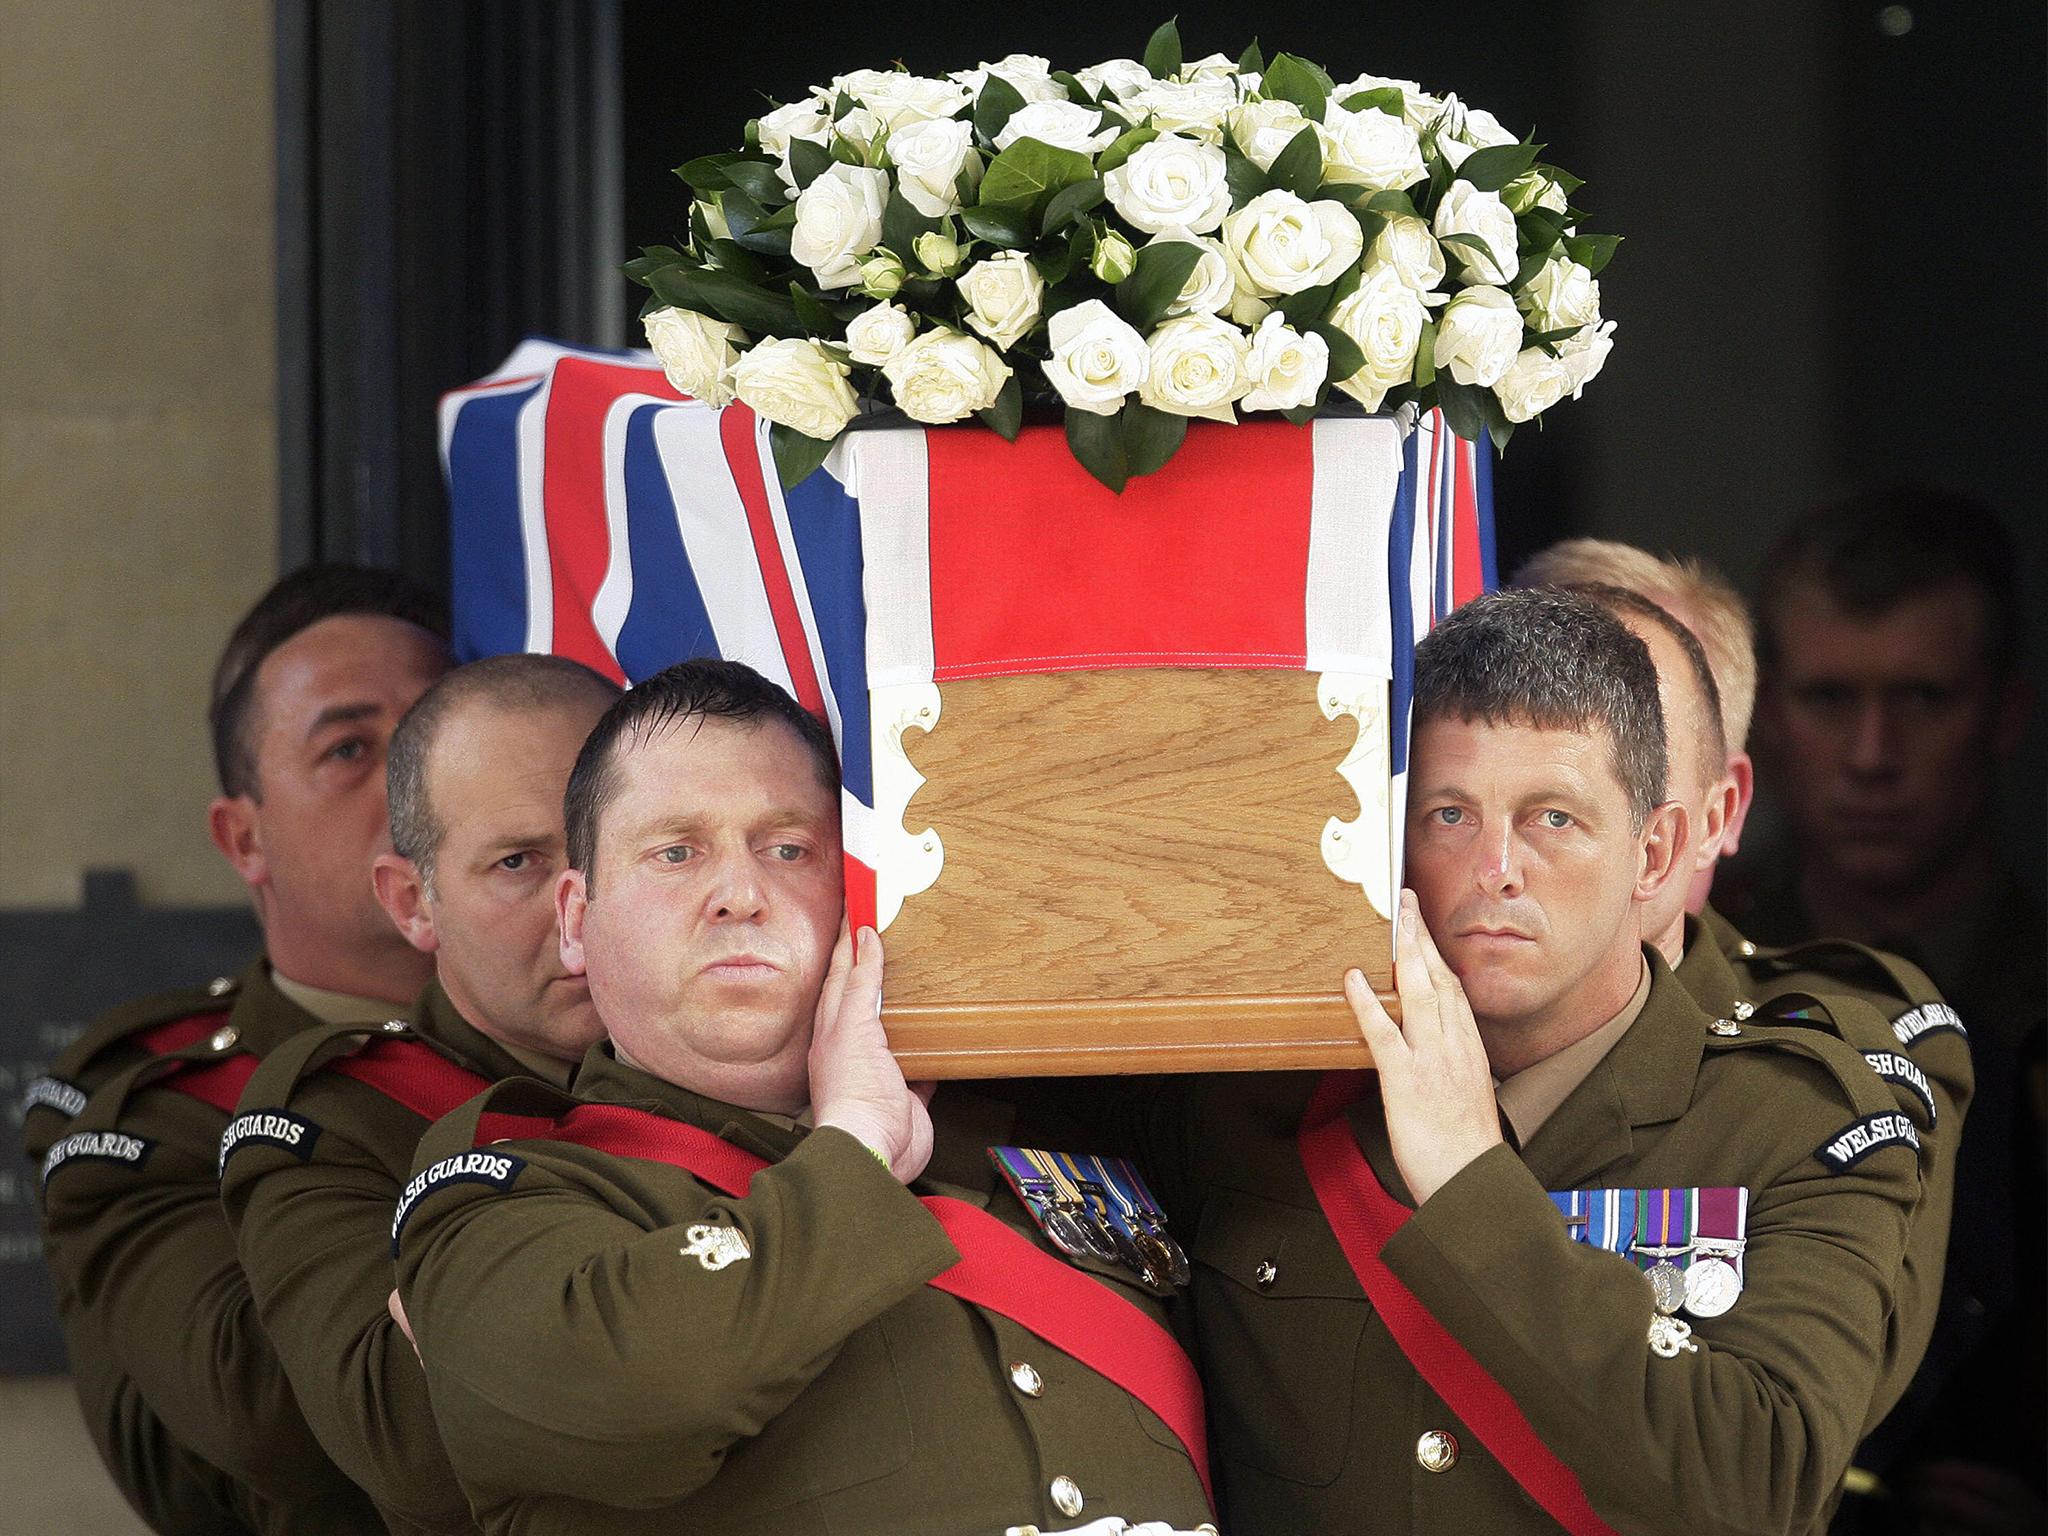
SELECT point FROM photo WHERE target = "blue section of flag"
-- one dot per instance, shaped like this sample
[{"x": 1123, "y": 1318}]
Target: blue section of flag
[
  {"x": 1400, "y": 605},
  {"x": 1482, "y": 485},
  {"x": 824, "y": 523},
  {"x": 666, "y": 622},
  {"x": 486, "y": 549}
]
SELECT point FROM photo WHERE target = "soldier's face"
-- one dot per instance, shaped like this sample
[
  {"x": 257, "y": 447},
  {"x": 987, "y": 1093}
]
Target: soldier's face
[
  {"x": 325, "y": 704},
  {"x": 1885, "y": 731},
  {"x": 1528, "y": 873},
  {"x": 494, "y": 781},
  {"x": 715, "y": 899}
]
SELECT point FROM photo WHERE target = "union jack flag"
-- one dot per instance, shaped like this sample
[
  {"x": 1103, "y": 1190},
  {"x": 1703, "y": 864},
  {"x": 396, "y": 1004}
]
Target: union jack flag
[{"x": 601, "y": 515}]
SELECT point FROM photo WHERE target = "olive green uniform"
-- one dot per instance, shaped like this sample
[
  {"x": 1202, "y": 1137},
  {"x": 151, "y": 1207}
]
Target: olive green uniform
[
  {"x": 1318, "y": 1421},
  {"x": 595, "y": 1367},
  {"x": 182, "y": 1393},
  {"x": 315, "y": 1164}
]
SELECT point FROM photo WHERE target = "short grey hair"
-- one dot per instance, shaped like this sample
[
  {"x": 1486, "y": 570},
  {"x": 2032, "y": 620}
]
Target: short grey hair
[
  {"x": 518, "y": 684},
  {"x": 1556, "y": 661}
]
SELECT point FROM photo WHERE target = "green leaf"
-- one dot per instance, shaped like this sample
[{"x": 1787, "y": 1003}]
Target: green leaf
[
  {"x": 1151, "y": 437},
  {"x": 811, "y": 311},
  {"x": 1123, "y": 147},
  {"x": 807, "y": 161},
  {"x": 735, "y": 259},
  {"x": 757, "y": 178},
  {"x": 1480, "y": 252},
  {"x": 1500, "y": 431},
  {"x": 1391, "y": 203},
  {"x": 1242, "y": 173},
  {"x": 1592, "y": 252},
  {"x": 1162, "y": 271},
  {"x": 846, "y": 152},
  {"x": 1567, "y": 183},
  {"x": 1539, "y": 230},
  {"x": 1251, "y": 61},
  {"x": 1386, "y": 98},
  {"x": 1289, "y": 78},
  {"x": 754, "y": 228},
  {"x": 1076, "y": 91},
  {"x": 1299, "y": 167},
  {"x": 1494, "y": 167},
  {"x": 1463, "y": 408},
  {"x": 1346, "y": 356},
  {"x": 1006, "y": 227},
  {"x": 1300, "y": 415},
  {"x": 1098, "y": 442},
  {"x": 1030, "y": 170},
  {"x": 1162, "y": 53},
  {"x": 902, "y": 224},
  {"x": 707, "y": 172},
  {"x": 727, "y": 297},
  {"x": 1302, "y": 310},
  {"x": 1054, "y": 258},
  {"x": 1425, "y": 357},
  {"x": 796, "y": 455},
  {"x": 1070, "y": 203},
  {"x": 998, "y": 101},
  {"x": 1006, "y": 416}
]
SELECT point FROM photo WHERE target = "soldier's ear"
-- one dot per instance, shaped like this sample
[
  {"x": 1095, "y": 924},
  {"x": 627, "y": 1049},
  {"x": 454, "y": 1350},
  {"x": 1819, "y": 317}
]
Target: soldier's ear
[
  {"x": 1666, "y": 850},
  {"x": 235, "y": 826},
  {"x": 403, "y": 896},
  {"x": 1742, "y": 775},
  {"x": 572, "y": 901}
]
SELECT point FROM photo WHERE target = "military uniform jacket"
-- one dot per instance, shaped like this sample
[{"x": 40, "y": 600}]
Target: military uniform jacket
[
  {"x": 182, "y": 1392},
  {"x": 612, "y": 1345},
  {"x": 311, "y": 1167},
  {"x": 1317, "y": 1418}
]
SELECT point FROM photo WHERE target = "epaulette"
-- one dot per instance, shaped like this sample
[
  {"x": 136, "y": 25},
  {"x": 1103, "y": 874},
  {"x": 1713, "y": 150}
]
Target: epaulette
[{"x": 1878, "y": 970}]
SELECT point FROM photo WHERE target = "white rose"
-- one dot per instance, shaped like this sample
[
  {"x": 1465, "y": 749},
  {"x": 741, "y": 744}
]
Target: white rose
[
  {"x": 1385, "y": 317},
  {"x": 1370, "y": 149},
  {"x": 1030, "y": 75},
  {"x": 944, "y": 376},
  {"x": 1418, "y": 108},
  {"x": 929, "y": 158},
  {"x": 861, "y": 128},
  {"x": 1117, "y": 77},
  {"x": 1214, "y": 67},
  {"x": 1534, "y": 382},
  {"x": 1278, "y": 243},
  {"x": 1562, "y": 293},
  {"x": 937, "y": 252},
  {"x": 1248, "y": 309},
  {"x": 695, "y": 351},
  {"x": 1195, "y": 108},
  {"x": 1198, "y": 368},
  {"x": 1097, "y": 359},
  {"x": 875, "y": 335},
  {"x": 1286, "y": 367},
  {"x": 898, "y": 98},
  {"x": 1210, "y": 287},
  {"x": 1478, "y": 336},
  {"x": 1585, "y": 354},
  {"x": 1533, "y": 189},
  {"x": 1174, "y": 182},
  {"x": 1465, "y": 210},
  {"x": 882, "y": 274},
  {"x": 799, "y": 120},
  {"x": 838, "y": 221},
  {"x": 1410, "y": 249},
  {"x": 1461, "y": 129},
  {"x": 798, "y": 384},
  {"x": 1113, "y": 259},
  {"x": 1263, "y": 128},
  {"x": 1004, "y": 295},
  {"x": 1062, "y": 124}
]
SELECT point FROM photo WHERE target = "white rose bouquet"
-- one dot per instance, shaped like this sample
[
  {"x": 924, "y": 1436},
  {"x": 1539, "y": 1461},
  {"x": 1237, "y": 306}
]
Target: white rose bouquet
[{"x": 1134, "y": 244}]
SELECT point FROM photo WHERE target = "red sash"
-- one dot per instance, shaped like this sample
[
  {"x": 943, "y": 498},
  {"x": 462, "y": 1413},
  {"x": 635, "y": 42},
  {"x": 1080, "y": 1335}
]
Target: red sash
[
  {"x": 999, "y": 1268},
  {"x": 414, "y": 1075},
  {"x": 1363, "y": 1216},
  {"x": 219, "y": 1082}
]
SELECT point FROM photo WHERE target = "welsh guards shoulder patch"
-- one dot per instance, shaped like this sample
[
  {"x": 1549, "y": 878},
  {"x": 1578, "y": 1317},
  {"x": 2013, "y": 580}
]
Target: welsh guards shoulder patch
[
  {"x": 497, "y": 1169},
  {"x": 1859, "y": 1138}
]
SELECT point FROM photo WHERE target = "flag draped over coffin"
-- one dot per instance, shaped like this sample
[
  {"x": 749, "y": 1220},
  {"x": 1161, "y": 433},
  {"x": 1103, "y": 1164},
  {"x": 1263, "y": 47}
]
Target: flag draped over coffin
[{"x": 600, "y": 515}]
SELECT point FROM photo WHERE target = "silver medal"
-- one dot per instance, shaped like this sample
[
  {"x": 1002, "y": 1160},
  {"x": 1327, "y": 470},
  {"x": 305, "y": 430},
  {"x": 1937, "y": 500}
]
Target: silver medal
[
  {"x": 1667, "y": 1285},
  {"x": 1711, "y": 1287}
]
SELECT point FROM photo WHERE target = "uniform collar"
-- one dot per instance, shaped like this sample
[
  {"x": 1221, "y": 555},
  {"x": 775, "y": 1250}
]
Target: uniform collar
[
  {"x": 331, "y": 1007},
  {"x": 1532, "y": 1095},
  {"x": 606, "y": 1079},
  {"x": 262, "y": 1014},
  {"x": 439, "y": 1022},
  {"x": 1704, "y": 970}
]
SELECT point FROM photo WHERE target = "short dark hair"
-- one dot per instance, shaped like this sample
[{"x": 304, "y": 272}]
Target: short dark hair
[
  {"x": 517, "y": 684},
  {"x": 295, "y": 604},
  {"x": 1621, "y": 602},
  {"x": 1543, "y": 657},
  {"x": 1872, "y": 549},
  {"x": 704, "y": 689}
]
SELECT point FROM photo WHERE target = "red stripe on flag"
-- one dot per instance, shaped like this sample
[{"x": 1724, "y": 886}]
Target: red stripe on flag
[
  {"x": 1468, "y": 576},
  {"x": 743, "y": 457},
  {"x": 572, "y": 496},
  {"x": 1037, "y": 567},
  {"x": 861, "y": 901}
]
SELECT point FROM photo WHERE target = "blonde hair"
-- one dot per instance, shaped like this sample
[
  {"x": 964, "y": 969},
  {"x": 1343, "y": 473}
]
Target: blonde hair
[{"x": 1696, "y": 593}]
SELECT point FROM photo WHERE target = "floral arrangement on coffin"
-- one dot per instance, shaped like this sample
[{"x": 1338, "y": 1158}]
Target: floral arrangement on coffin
[{"x": 1140, "y": 243}]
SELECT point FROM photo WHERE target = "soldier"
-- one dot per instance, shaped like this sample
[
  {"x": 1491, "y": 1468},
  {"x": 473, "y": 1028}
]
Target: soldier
[
  {"x": 742, "y": 1279},
  {"x": 182, "y": 1392},
  {"x": 324, "y": 1135},
  {"x": 1582, "y": 1254}
]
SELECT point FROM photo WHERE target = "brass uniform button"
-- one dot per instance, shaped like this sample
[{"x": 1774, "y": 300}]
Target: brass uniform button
[
  {"x": 1066, "y": 1496},
  {"x": 224, "y": 1038},
  {"x": 1437, "y": 1451},
  {"x": 1025, "y": 1379},
  {"x": 220, "y": 986},
  {"x": 1266, "y": 1273}
]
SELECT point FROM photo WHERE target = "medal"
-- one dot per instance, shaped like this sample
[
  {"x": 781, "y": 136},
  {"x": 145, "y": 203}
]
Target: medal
[
  {"x": 1667, "y": 1285},
  {"x": 1670, "y": 1336},
  {"x": 1711, "y": 1286},
  {"x": 1654, "y": 1212},
  {"x": 1714, "y": 1280},
  {"x": 1095, "y": 1209}
]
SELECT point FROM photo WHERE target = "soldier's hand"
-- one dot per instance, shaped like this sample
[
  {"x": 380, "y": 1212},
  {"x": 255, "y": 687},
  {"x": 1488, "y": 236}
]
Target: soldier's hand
[
  {"x": 1434, "y": 1076},
  {"x": 856, "y": 1084},
  {"x": 397, "y": 1310}
]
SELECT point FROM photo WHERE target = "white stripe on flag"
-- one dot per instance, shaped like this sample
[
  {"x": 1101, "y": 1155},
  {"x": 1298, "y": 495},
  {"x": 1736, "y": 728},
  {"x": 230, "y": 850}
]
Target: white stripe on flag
[
  {"x": 1429, "y": 435},
  {"x": 713, "y": 523},
  {"x": 533, "y": 521},
  {"x": 1357, "y": 474},
  {"x": 889, "y": 474},
  {"x": 778, "y": 511},
  {"x": 614, "y": 599},
  {"x": 452, "y": 403}
]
